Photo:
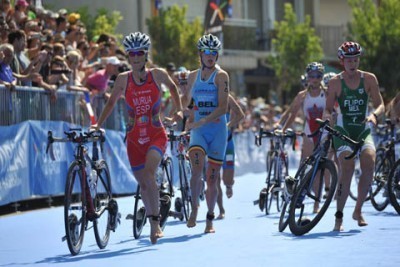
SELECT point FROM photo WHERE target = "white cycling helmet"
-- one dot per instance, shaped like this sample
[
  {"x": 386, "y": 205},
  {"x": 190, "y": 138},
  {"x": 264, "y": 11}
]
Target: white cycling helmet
[
  {"x": 209, "y": 41},
  {"x": 136, "y": 41},
  {"x": 315, "y": 66},
  {"x": 327, "y": 77}
]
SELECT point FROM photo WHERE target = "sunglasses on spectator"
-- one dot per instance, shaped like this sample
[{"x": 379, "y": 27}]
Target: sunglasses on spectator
[
  {"x": 136, "y": 53},
  {"x": 209, "y": 52},
  {"x": 314, "y": 76}
]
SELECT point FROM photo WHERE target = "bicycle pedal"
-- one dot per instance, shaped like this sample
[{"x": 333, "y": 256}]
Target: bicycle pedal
[
  {"x": 129, "y": 217},
  {"x": 63, "y": 238}
]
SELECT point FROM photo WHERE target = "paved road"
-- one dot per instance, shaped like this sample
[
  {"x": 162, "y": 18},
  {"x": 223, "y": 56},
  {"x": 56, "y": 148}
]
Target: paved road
[{"x": 246, "y": 237}]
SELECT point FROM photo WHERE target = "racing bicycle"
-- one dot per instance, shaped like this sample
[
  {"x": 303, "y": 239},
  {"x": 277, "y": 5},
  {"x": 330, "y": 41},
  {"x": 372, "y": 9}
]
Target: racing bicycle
[{"x": 88, "y": 191}]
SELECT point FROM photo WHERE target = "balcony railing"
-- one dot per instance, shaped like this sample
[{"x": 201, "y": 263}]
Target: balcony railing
[
  {"x": 243, "y": 34},
  {"x": 331, "y": 37}
]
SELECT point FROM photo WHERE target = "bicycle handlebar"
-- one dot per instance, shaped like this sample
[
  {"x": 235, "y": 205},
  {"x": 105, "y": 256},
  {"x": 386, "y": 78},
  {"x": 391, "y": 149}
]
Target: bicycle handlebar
[
  {"x": 74, "y": 137},
  {"x": 324, "y": 125},
  {"x": 289, "y": 133}
]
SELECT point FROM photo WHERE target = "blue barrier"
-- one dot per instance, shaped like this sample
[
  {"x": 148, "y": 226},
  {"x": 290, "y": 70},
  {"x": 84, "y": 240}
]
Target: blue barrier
[{"x": 27, "y": 172}]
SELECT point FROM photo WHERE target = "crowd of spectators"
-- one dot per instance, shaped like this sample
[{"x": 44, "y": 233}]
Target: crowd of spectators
[{"x": 51, "y": 50}]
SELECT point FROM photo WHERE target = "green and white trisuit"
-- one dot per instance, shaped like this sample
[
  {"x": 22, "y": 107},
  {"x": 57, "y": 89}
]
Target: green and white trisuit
[{"x": 352, "y": 110}]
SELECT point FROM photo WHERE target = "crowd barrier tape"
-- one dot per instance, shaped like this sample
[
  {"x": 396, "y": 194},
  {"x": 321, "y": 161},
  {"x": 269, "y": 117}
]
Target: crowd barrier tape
[{"x": 27, "y": 172}]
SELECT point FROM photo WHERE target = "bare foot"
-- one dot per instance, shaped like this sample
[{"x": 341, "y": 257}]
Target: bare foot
[
  {"x": 209, "y": 227},
  {"x": 221, "y": 216},
  {"x": 192, "y": 219},
  {"x": 338, "y": 225},
  {"x": 229, "y": 191},
  {"x": 155, "y": 231},
  {"x": 360, "y": 219}
]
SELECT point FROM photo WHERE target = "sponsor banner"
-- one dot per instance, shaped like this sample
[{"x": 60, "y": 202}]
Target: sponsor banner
[{"x": 26, "y": 171}]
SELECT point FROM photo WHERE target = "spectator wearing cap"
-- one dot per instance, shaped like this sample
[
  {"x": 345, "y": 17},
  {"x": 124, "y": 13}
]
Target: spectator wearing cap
[
  {"x": 97, "y": 83},
  {"x": 74, "y": 18},
  {"x": 21, "y": 13}
]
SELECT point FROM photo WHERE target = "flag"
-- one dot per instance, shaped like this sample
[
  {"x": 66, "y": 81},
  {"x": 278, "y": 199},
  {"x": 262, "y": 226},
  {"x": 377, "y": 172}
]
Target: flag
[
  {"x": 216, "y": 11},
  {"x": 156, "y": 7},
  {"x": 89, "y": 108}
]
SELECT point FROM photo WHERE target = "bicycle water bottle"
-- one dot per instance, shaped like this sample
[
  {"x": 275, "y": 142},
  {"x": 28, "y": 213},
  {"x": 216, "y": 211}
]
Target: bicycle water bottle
[{"x": 92, "y": 183}]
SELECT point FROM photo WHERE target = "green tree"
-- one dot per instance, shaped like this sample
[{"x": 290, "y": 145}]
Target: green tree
[
  {"x": 295, "y": 45},
  {"x": 103, "y": 22},
  {"x": 173, "y": 38},
  {"x": 377, "y": 29}
]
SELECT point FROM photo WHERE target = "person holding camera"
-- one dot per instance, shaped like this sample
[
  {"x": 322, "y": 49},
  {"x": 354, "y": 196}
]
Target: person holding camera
[{"x": 97, "y": 82}]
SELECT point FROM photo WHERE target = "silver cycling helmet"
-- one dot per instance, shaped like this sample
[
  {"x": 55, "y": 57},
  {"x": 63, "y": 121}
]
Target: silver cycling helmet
[
  {"x": 327, "y": 77},
  {"x": 315, "y": 66},
  {"x": 209, "y": 41},
  {"x": 136, "y": 41}
]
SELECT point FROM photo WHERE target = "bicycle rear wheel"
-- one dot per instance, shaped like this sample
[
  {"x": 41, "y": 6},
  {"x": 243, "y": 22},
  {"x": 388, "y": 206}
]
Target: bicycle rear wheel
[
  {"x": 394, "y": 186},
  {"x": 101, "y": 225},
  {"x": 302, "y": 215},
  {"x": 75, "y": 207},
  {"x": 379, "y": 193},
  {"x": 139, "y": 214},
  {"x": 185, "y": 188}
]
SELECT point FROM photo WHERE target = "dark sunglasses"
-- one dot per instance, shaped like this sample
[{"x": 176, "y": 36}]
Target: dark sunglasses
[
  {"x": 209, "y": 52},
  {"x": 314, "y": 76},
  {"x": 136, "y": 53}
]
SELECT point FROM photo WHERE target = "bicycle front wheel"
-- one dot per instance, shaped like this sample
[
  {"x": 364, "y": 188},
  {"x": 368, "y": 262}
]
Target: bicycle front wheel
[
  {"x": 379, "y": 193},
  {"x": 269, "y": 195},
  {"x": 139, "y": 214},
  {"x": 75, "y": 207},
  {"x": 308, "y": 204},
  {"x": 394, "y": 186},
  {"x": 185, "y": 188},
  {"x": 166, "y": 192},
  {"x": 287, "y": 193},
  {"x": 101, "y": 224}
]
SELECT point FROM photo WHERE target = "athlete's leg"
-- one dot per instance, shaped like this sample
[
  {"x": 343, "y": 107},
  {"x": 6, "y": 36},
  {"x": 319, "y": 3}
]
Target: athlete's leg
[
  {"x": 212, "y": 173},
  {"x": 367, "y": 165},
  {"x": 146, "y": 178},
  {"x": 197, "y": 157},
  {"x": 220, "y": 200},
  {"x": 346, "y": 168}
]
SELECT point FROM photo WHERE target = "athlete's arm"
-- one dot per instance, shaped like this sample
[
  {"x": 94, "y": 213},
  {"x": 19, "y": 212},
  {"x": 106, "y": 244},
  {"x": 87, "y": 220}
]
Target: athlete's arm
[
  {"x": 187, "y": 89},
  {"x": 333, "y": 92},
  {"x": 117, "y": 91},
  {"x": 294, "y": 108},
  {"x": 236, "y": 112},
  {"x": 372, "y": 87}
]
